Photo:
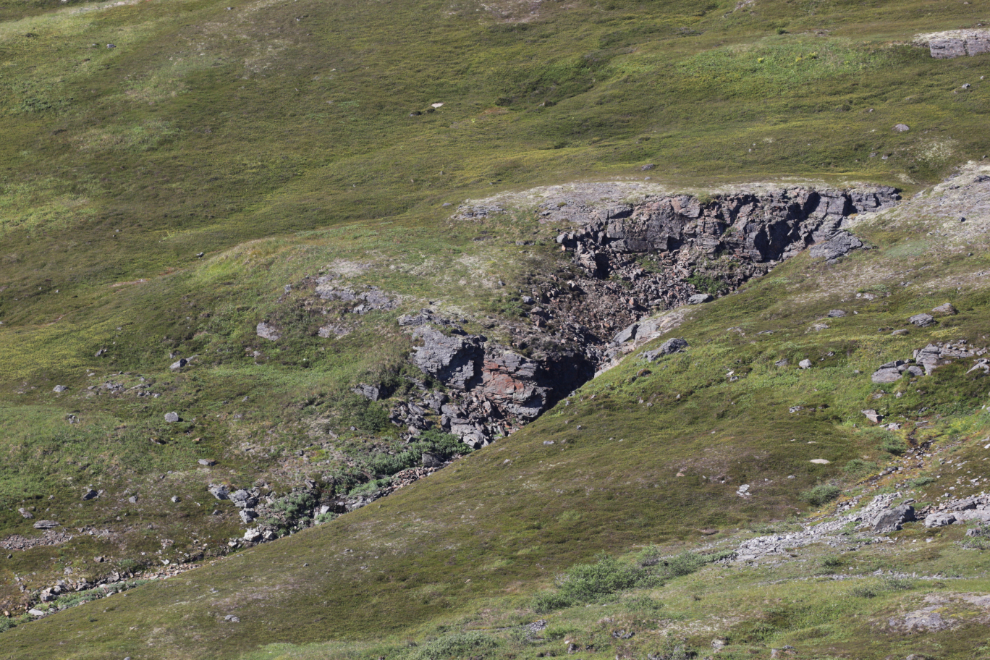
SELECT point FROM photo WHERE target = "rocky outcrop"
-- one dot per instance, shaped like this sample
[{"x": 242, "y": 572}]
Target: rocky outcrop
[
  {"x": 927, "y": 359},
  {"x": 955, "y": 43},
  {"x": 493, "y": 389}
]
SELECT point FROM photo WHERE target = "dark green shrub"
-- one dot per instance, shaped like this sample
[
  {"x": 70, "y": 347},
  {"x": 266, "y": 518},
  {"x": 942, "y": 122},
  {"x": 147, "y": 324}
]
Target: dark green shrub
[
  {"x": 821, "y": 494},
  {"x": 857, "y": 467},
  {"x": 894, "y": 446},
  {"x": 460, "y": 645},
  {"x": 591, "y": 582},
  {"x": 547, "y": 601}
]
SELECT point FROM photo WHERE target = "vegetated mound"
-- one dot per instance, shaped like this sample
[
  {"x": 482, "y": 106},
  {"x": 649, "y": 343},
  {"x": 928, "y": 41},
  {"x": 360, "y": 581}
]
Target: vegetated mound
[{"x": 771, "y": 398}]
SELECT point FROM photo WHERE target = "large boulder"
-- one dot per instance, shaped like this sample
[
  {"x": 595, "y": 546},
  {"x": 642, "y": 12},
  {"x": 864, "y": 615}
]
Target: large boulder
[{"x": 892, "y": 519}]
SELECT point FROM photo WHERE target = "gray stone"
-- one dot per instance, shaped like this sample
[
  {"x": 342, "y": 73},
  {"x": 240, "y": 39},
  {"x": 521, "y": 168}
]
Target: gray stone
[
  {"x": 922, "y": 320},
  {"x": 805, "y": 364},
  {"x": 176, "y": 499},
  {"x": 208, "y": 462},
  {"x": 219, "y": 491},
  {"x": 526, "y": 300},
  {"x": 36, "y": 612},
  {"x": 889, "y": 375},
  {"x": 247, "y": 515},
  {"x": 133, "y": 499},
  {"x": 945, "y": 308},
  {"x": 836, "y": 313},
  {"x": 253, "y": 535},
  {"x": 901, "y": 128},
  {"x": 25, "y": 513},
  {"x": 432, "y": 460},
  {"x": 230, "y": 618},
  {"x": 939, "y": 519},
  {"x": 371, "y": 392},
  {"x": 892, "y": 519},
  {"x": 781, "y": 362},
  {"x": 873, "y": 416},
  {"x": 626, "y": 334},
  {"x": 669, "y": 347},
  {"x": 59, "y": 389},
  {"x": 178, "y": 364},
  {"x": 45, "y": 524},
  {"x": 456, "y": 360},
  {"x": 172, "y": 417},
  {"x": 914, "y": 371},
  {"x": 269, "y": 332},
  {"x": 839, "y": 245},
  {"x": 699, "y": 298}
]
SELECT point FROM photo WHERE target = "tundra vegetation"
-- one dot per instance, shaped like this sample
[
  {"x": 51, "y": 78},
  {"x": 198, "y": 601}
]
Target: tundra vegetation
[{"x": 173, "y": 174}]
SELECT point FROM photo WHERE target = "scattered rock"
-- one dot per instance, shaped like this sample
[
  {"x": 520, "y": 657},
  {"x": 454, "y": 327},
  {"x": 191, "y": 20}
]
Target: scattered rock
[
  {"x": 178, "y": 364},
  {"x": 836, "y": 313},
  {"x": 946, "y": 309},
  {"x": 781, "y": 362},
  {"x": 230, "y": 618},
  {"x": 873, "y": 416},
  {"x": 208, "y": 462},
  {"x": 889, "y": 375},
  {"x": 669, "y": 347},
  {"x": 172, "y": 417},
  {"x": 820, "y": 461},
  {"x": 699, "y": 298},
  {"x": 922, "y": 320},
  {"x": 90, "y": 494},
  {"x": 940, "y": 519},
  {"x": 25, "y": 513},
  {"x": 253, "y": 535},
  {"x": 901, "y": 128},
  {"x": 269, "y": 332},
  {"x": 432, "y": 460},
  {"x": 59, "y": 389},
  {"x": 805, "y": 364},
  {"x": 219, "y": 491},
  {"x": 45, "y": 524}
]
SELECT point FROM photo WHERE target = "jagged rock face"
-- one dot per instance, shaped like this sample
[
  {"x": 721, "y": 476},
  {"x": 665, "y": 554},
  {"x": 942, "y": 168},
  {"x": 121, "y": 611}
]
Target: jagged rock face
[
  {"x": 758, "y": 229},
  {"x": 496, "y": 390},
  {"x": 955, "y": 43},
  {"x": 456, "y": 361}
]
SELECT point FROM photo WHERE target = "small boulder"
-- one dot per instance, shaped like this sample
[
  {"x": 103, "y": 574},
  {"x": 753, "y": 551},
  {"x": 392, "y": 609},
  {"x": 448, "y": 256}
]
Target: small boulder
[
  {"x": 247, "y": 515},
  {"x": 947, "y": 309},
  {"x": 820, "y": 461},
  {"x": 178, "y": 364},
  {"x": 888, "y": 375},
  {"x": 839, "y": 245},
  {"x": 58, "y": 389},
  {"x": 253, "y": 535},
  {"x": 45, "y": 524},
  {"x": 207, "y": 462},
  {"x": 269, "y": 332},
  {"x": 626, "y": 334},
  {"x": 432, "y": 460},
  {"x": 669, "y": 347},
  {"x": 90, "y": 494},
  {"x": 873, "y": 416},
  {"x": 901, "y": 128},
  {"x": 922, "y": 320},
  {"x": 219, "y": 491},
  {"x": 939, "y": 520},
  {"x": 805, "y": 364},
  {"x": 25, "y": 513},
  {"x": 836, "y": 313},
  {"x": 699, "y": 298},
  {"x": 172, "y": 417},
  {"x": 526, "y": 300}
]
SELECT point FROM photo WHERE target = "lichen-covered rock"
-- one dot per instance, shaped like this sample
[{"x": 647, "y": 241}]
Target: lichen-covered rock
[
  {"x": 837, "y": 246},
  {"x": 267, "y": 331},
  {"x": 891, "y": 520},
  {"x": 453, "y": 360},
  {"x": 669, "y": 347}
]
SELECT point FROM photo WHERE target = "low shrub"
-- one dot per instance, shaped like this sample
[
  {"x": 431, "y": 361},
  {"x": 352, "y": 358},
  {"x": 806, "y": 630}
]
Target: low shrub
[
  {"x": 460, "y": 645},
  {"x": 821, "y": 494}
]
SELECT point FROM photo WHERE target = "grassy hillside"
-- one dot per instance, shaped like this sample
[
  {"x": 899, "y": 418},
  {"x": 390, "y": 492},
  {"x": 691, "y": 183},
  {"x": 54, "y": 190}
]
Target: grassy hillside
[{"x": 158, "y": 196}]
